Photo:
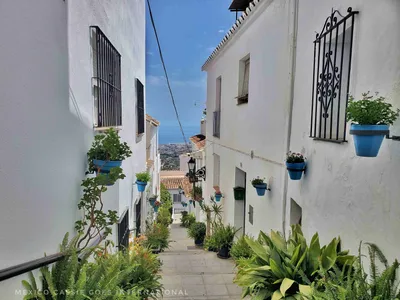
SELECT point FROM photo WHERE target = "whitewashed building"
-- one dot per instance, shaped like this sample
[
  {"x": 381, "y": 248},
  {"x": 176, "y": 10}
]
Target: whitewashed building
[
  {"x": 262, "y": 83},
  {"x": 69, "y": 69}
]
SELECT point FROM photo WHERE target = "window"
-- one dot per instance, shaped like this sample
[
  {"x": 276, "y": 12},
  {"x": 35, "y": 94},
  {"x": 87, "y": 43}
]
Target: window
[
  {"x": 217, "y": 112},
  {"x": 140, "y": 107},
  {"x": 106, "y": 80},
  {"x": 244, "y": 74},
  {"x": 331, "y": 77},
  {"x": 177, "y": 198},
  {"x": 296, "y": 213}
]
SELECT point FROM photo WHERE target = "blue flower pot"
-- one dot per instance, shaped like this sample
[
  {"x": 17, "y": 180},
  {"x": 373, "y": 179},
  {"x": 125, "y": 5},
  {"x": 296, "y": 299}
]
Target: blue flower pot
[
  {"x": 155, "y": 209},
  {"x": 152, "y": 201},
  {"x": 105, "y": 166},
  {"x": 141, "y": 185},
  {"x": 261, "y": 188},
  {"x": 184, "y": 204},
  {"x": 295, "y": 170},
  {"x": 190, "y": 201},
  {"x": 218, "y": 197},
  {"x": 368, "y": 138}
]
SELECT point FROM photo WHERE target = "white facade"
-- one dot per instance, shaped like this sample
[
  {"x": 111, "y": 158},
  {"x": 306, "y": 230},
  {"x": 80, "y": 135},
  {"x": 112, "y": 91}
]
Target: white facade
[
  {"x": 47, "y": 119},
  {"x": 341, "y": 194}
]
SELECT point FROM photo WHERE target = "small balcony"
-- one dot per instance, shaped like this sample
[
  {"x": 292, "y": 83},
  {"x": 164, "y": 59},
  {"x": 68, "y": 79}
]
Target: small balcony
[{"x": 217, "y": 123}]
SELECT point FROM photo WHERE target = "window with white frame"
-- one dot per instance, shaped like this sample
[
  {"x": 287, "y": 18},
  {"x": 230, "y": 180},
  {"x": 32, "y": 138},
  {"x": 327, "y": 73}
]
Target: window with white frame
[{"x": 244, "y": 77}]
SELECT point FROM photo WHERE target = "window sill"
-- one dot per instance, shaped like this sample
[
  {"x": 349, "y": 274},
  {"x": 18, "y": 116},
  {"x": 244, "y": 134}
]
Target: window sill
[
  {"x": 242, "y": 100},
  {"x": 330, "y": 141},
  {"x": 103, "y": 129}
]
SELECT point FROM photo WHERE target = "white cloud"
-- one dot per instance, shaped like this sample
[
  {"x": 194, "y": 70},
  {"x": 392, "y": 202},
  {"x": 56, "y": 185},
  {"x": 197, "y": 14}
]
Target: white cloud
[
  {"x": 155, "y": 80},
  {"x": 221, "y": 31},
  {"x": 150, "y": 53},
  {"x": 155, "y": 66}
]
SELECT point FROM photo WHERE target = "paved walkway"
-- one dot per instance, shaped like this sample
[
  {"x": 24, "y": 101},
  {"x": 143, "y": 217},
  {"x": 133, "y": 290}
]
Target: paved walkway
[{"x": 194, "y": 273}]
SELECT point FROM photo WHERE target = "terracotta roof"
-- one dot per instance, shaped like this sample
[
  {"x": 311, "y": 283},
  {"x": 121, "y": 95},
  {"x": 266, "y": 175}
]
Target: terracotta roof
[
  {"x": 172, "y": 180},
  {"x": 152, "y": 120},
  {"x": 199, "y": 140},
  {"x": 238, "y": 24}
]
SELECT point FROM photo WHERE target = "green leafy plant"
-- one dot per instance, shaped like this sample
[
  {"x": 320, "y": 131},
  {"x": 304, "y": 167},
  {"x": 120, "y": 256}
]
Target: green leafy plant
[
  {"x": 123, "y": 275},
  {"x": 293, "y": 157},
  {"x": 157, "y": 236},
  {"x": 371, "y": 110},
  {"x": 187, "y": 219},
  {"x": 108, "y": 146},
  {"x": 224, "y": 235},
  {"x": 356, "y": 284},
  {"x": 95, "y": 221},
  {"x": 197, "y": 231},
  {"x": 164, "y": 216},
  {"x": 240, "y": 248},
  {"x": 257, "y": 181},
  {"x": 197, "y": 193},
  {"x": 210, "y": 243},
  {"x": 143, "y": 176},
  {"x": 285, "y": 269}
]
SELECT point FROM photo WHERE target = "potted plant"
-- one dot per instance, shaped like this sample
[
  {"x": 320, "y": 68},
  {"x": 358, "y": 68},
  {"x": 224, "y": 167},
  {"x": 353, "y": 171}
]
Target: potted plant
[
  {"x": 218, "y": 196},
  {"x": 190, "y": 201},
  {"x": 197, "y": 231},
  {"x": 260, "y": 185},
  {"x": 295, "y": 164},
  {"x": 224, "y": 236},
  {"x": 141, "y": 180},
  {"x": 184, "y": 204},
  {"x": 370, "y": 117},
  {"x": 239, "y": 192},
  {"x": 197, "y": 193},
  {"x": 152, "y": 199},
  {"x": 107, "y": 152},
  {"x": 156, "y": 206}
]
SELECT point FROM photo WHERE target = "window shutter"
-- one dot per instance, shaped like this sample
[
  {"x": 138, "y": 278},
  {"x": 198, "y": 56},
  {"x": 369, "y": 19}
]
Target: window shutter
[
  {"x": 245, "y": 90},
  {"x": 140, "y": 107}
]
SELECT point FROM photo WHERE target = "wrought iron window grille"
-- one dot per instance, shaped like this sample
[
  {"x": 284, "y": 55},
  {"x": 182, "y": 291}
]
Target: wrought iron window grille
[
  {"x": 331, "y": 77},
  {"x": 140, "y": 107},
  {"x": 106, "y": 80}
]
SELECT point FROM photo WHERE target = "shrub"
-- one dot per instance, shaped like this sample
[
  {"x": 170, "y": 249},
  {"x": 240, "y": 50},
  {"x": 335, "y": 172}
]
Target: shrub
[
  {"x": 339, "y": 284},
  {"x": 292, "y": 157},
  {"x": 283, "y": 268},
  {"x": 157, "y": 236},
  {"x": 164, "y": 216},
  {"x": 143, "y": 176},
  {"x": 197, "y": 231},
  {"x": 210, "y": 243},
  {"x": 371, "y": 111},
  {"x": 224, "y": 235},
  {"x": 240, "y": 248},
  {"x": 129, "y": 272},
  {"x": 187, "y": 219}
]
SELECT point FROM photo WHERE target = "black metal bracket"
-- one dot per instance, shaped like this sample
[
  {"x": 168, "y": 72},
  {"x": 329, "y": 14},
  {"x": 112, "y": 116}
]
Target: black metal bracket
[{"x": 393, "y": 137}]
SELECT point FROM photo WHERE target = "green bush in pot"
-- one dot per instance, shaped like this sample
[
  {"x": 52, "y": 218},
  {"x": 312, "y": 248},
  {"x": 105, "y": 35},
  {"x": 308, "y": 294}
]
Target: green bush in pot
[
  {"x": 224, "y": 236},
  {"x": 197, "y": 231}
]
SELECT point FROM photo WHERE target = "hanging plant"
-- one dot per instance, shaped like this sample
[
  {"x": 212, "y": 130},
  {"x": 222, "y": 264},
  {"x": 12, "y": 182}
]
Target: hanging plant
[
  {"x": 107, "y": 152},
  {"x": 260, "y": 185},
  {"x": 152, "y": 199},
  {"x": 141, "y": 180},
  {"x": 156, "y": 206},
  {"x": 295, "y": 164},
  {"x": 370, "y": 117},
  {"x": 218, "y": 196}
]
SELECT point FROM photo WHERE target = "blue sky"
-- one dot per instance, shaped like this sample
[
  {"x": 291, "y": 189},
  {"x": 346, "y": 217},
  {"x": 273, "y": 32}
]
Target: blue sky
[{"x": 188, "y": 30}]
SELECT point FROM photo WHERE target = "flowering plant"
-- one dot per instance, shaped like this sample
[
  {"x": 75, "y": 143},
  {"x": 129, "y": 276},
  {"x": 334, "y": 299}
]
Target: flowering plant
[
  {"x": 292, "y": 157},
  {"x": 157, "y": 203},
  {"x": 257, "y": 181}
]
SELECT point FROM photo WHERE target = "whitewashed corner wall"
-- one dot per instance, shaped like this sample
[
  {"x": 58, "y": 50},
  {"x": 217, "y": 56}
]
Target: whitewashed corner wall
[
  {"x": 341, "y": 194},
  {"x": 46, "y": 118}
]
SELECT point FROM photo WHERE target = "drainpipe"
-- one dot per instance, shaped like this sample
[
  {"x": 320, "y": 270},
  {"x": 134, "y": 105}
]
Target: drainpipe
[{"x": 293, "y": 11}]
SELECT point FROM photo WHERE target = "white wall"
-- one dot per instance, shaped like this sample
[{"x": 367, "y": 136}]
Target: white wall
[
  {"x": 259, "y": 126},
  {"x": 342, "y": 194},
  {"x": 46, "y": 119},
  {"x": 124, "y": 25}
]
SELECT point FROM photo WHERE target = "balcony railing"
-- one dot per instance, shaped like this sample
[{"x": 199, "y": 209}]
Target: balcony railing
[{"x": 217, "y": 124}]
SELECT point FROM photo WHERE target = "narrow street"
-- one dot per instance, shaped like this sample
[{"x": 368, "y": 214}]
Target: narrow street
[{"x": 192, "y": 273}]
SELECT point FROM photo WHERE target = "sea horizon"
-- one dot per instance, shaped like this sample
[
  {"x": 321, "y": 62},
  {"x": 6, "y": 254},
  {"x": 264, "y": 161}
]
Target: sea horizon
[{"x": 173, "y": 135}]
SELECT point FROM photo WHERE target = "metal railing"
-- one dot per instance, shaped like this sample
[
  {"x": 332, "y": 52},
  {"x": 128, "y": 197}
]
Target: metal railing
[
  {"x": 216, "y": 123},
  {"x": 123, "y": 231}
]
